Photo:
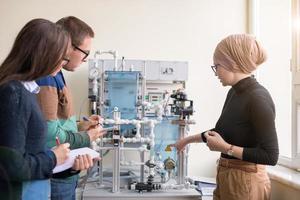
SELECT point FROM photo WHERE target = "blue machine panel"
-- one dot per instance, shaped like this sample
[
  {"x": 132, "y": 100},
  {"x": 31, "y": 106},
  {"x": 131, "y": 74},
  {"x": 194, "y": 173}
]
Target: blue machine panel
[
  {"x": 166, "y": 133},
  {"x": 122, "y": 92}
]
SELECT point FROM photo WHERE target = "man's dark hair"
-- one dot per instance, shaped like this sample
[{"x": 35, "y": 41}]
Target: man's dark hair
[{"x": 78, "y": 29}]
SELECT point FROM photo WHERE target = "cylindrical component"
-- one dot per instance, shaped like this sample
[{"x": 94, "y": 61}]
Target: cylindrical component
[
  {"x": 122, "y": 153},
  {"x": 142, "y": 176},
  {"x": 93, "y": 104},
  {"x": 123, "y": 64},
  {"x": 116, "y": 156},
  {"x": 116, "y": 114},
  {"x": 180, "y": 179},
  {"x": 93, "y": 107},
  {"x": 142, "y": 154},
  {"x": 181, "y": 159},
  {"x": 100, "y": 165},
  {"x": 253, "y": 17},
  {"x": 116, "y": 138},
  {"x": 116, "y": 170},
  {"x": 95, "y": 87},
  {"x": 115, "y": 55}
]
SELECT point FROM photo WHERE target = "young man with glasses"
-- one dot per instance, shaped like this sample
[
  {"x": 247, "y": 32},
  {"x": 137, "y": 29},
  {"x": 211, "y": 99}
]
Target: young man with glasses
[{"x": 56, "y": 104}]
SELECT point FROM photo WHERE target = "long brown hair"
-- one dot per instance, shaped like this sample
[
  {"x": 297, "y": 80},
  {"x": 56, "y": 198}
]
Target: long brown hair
[{"x": 37, "y": 51}]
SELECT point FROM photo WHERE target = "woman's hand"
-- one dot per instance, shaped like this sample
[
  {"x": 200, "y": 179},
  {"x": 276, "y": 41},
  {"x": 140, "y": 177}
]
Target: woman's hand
[
  {"x": 92, "y": 123},
  {"x": 83, "y": 162},
  {"x": 96, "y": 133},
  {"x": 216, "y": 143},
  {"x": 61, "y": 152},
  {"x": 180, "y": 144}
]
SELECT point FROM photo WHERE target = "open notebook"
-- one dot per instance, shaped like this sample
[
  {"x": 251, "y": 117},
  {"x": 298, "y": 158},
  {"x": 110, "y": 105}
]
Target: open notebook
[{"x": 73, "y": 153}]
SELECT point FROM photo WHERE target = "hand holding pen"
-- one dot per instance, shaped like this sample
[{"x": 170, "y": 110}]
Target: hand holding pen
[
  {"x": 61, "y": 151},
  {"x": 94, "y": 118},
  {"x": 100, "y": 122},
  {"x": 95, "y": 129},
  {"x": 90, "y": 123}
]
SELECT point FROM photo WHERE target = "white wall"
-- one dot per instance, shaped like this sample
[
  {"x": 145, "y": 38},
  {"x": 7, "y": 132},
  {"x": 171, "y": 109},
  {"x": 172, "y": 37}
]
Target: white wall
[
  {"x": 275, "y": 75},
  {"x": 147, "y": 29},
  {"x": 275, "y": 34}
]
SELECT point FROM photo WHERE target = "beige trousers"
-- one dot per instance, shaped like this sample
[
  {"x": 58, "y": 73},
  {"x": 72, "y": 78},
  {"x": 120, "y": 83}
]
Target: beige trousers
[{"x": 240, "y": 180}]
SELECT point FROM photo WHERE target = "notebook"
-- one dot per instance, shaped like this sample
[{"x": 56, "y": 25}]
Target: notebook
[{"x": 73, "y": 153}]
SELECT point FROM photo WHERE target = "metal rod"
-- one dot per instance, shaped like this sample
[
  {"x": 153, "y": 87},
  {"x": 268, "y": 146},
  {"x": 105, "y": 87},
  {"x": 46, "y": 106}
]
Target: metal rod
[
  {"x": 100, "y": 166},
  {"x": 181, "y": 158},
  {"x": 116, "y": 170},
  {"x": 142, "y": 155}
]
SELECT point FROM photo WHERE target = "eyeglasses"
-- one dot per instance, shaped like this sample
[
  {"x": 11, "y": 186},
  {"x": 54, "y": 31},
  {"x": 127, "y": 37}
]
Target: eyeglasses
[
  {"x": 86, "y": 53},
  {"x": 65, "y": 61},
  {"x": 214, "y": 68}
]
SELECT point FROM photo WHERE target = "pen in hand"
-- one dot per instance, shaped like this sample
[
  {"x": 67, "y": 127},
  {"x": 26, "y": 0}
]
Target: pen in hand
[
  {"x": 87, "y": 119},
  {"x": 103, "y": 129},
  {"x": 61, "y": 151},
  {"x": 57, "y": 141}
]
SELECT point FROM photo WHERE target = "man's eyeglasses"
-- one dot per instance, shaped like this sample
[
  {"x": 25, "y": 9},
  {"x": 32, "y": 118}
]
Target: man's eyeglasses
[
  {"x": 86, "y": 53},
  {"x": 214, "y": 68}
]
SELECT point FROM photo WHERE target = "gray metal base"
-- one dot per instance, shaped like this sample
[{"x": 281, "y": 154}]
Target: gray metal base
[{"x": 91, "y": 192}]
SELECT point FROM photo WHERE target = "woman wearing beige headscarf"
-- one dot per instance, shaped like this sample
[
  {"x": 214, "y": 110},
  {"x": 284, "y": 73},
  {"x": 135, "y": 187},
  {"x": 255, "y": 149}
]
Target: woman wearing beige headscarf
[{"x": 245, "y": 133}]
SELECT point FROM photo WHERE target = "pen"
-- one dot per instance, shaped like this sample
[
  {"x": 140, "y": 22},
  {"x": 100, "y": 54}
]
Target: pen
[
  {"x": 57, "y": 141},
  {"x": 104, "y": 129},
  {"x": 87, "y": 119}
]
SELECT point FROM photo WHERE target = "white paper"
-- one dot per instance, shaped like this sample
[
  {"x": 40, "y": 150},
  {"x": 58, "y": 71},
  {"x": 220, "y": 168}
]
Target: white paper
[
  {"x": 207, "y": 191},
  {"x": 73, "y": 153}
]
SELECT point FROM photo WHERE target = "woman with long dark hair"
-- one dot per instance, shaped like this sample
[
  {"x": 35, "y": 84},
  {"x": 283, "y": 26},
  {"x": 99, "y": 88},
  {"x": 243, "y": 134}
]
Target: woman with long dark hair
[{"x": 38, "y": 47}]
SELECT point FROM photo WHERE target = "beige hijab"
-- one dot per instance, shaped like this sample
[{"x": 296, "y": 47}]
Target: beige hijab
[{"x": 239, "y": 53}]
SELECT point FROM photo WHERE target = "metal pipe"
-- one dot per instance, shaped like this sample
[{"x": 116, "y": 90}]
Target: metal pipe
[
  {"x": 186, "y": 185},
  {"x": 253, "y": 22},
  {"x": 142, "y": 172},
  {"x": 142, "y": 154},
  {"x": 131, "y": 163},
  {"x": 253, "y": 17},
  {"x": 181, "y": 158},
  {"x": 144, "y": 140},
  {"x": 100, "y": 166},
  {"x": 116, "y": 170},
  {"x": 141, "y": 149}
]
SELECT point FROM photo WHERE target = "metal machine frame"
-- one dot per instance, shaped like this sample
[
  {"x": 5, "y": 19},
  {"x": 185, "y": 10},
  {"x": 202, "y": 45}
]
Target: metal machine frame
[{"x": 157, "y": 82}]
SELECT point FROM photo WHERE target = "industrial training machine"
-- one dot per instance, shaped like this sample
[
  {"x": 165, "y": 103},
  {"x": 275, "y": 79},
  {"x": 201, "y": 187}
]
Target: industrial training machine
[{"x": 145, "y": 108}]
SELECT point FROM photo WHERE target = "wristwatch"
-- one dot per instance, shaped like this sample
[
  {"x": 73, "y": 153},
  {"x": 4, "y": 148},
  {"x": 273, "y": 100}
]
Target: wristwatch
[{"x": 230, "y": 151}]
